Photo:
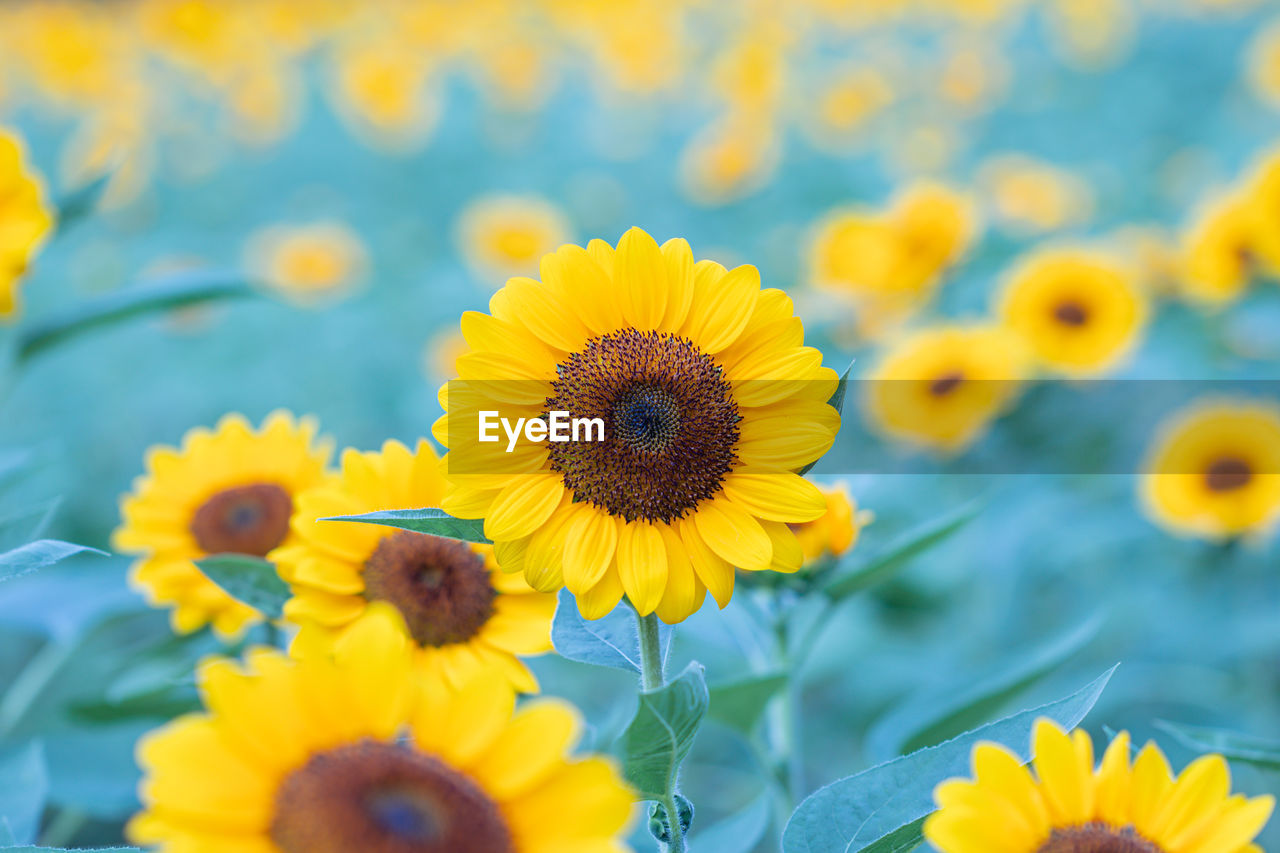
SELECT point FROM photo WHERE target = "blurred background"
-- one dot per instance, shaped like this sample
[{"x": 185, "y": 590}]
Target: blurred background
[{"x": 380, "y": 167}]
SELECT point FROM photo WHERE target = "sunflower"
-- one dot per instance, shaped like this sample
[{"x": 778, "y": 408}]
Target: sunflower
[
  {"x": 710, "y": 402},
  {"x": 939, "y": 388},
  {"x": 308, "y": 263},
  {"x": 1263, "y": 197},
  {"x": 357, "y": 751},
  {"x": 25, "y": 220},
  {"x": 1214, "y": 471},
  {"x": 460, "y": 610},
  {"x": 1079, "y": 312},
  {"x": 1069, "y": 806},
  {"x": 231, "y": 490},
  {"x": 1221, "y": 251},
  {"x": 506, "y": 235},
  {"x": 837, "y": 531}
]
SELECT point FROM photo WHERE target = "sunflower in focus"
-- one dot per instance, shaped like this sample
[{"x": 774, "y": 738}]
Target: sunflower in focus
[
  {"x": 356, "y": 751},
  {"x": 940, "y": 388},
  {"x": 1214, "y": 471},
  {"x": 227, "y": 490},
  {"x": 1064, "y": 804},
  {"x": 709, "y": 402},
  {"x": 308, "y": 263},
  {"x": 462, "y": 613},
  {"x": 836, "y": 532},
  {"x": 1080, "y": 313},
  {"x": 505, "y": 235},
  {"x": 25, "y": 220}
]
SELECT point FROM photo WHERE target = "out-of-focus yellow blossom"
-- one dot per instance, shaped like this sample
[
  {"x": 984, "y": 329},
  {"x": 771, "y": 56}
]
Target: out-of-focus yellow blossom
[
  {"x": 1030, "y": 196},
  {"x": 209, "y": 38},
  {"x": 1154, "y": 254},
  {"x": 516, "y": 70},
  {"x": 440, "y": 355},
  {"x": 1264, "y": 64},
  {"x": 264, "y": 100},
  {"x": 1263, "y": 193},
  {"x": 1080, "y": 312},
  {"x": 751, "y": 74},
  {"x": 640, "y": 45},
  {"x": 836, "y": 532},
  {"x": 940, "y": 388},
  {"x": 729, "y": 159},
  {"x": 506, "y": 235},
  {"x": 1222, "y": 251},
  {"x": 1214, "y": 471},
  {"x": 382, "y": 89},
  {"x": 973, "y": 76},
  {"x": 308, "y": 264},
  {"x": 25, "y": 219},
  {"x": 1091, "y": 34},
  {"x": 72, "y": 52},
  {"x": 845, "y": 102}
]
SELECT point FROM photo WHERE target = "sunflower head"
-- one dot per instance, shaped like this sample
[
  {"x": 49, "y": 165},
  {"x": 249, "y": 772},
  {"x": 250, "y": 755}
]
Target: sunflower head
[
  {"x": 359, "y": 749},
  {"x": 1222, "y": 251},
  {"x": 308, "y": 263},
  {"x": 940, "y": 388},
  {"x": 1214, "y": 471},
  {"x": 227, "y": 490},
  {"x": 505, "y": 235},
  {"x": 459, "y": 610},
  {"x": 1064, "y": 803},
  {"x": 27, "y": 219},
  {"x": 1079, "y": 313},
  {"x": 837, "y": 531},
  {"x": 709, "y": 403}
]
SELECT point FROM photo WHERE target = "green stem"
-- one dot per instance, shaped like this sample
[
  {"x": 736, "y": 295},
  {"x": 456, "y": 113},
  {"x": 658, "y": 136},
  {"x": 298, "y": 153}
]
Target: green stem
[{"x": 651, "y": 678}]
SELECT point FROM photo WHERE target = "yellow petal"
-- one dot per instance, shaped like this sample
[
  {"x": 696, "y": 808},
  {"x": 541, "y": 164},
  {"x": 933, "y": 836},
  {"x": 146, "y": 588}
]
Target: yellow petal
[{"x": 642, "y": 565}]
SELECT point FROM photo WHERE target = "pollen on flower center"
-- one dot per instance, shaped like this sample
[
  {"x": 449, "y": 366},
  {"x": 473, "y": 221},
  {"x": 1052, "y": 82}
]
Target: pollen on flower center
[
  {"x": 1228, "y": 474},
  {"x": 671, "y": 424},
  {"x": 1097, "y": 838},
  {"x": 384, "y": 798},
  {"x": 1071, "y": 313},
  {"x": 946, "y": 383},
  {"x": 440, "y": 586},
  {"x": 249, "y": 519}
]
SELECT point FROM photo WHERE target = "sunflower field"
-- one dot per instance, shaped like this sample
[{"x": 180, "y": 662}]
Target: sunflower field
[{"x": 479, "y": 426}]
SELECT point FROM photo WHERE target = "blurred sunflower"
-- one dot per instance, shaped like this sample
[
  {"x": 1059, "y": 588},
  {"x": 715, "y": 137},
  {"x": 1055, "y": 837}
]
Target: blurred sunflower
[
  {"x": 461, "y": 611},
  {"x": 1080, "y": 313},
  {"x": 308, "y": 264},
  {"x": 939, "y": 388},
  {"x": 354, "y": 751},
  {"x": 1214, "y": 471},
  {"x": 710, "y": 403},
  {"x": 229, "y": 490},
  {"x": 25, "y": 220},
  {"x": 1221, "y": 251},
  {"x": 1069, "y": 806},
  {"x": 836, "y": 532},
  {"x": 1263, "y": 193},
  {"x": 506, "y": 235}
]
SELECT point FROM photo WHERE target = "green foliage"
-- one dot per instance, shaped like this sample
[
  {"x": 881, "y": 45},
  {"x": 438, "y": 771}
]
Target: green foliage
[
  {"x": 38, "y": 555},
  {"x": 426, "y": 520},
  {"x": 1246, "y": 749},
  {"x": 24, "y": 787},
  {"x": 610, "y": 641},
  {"x": 251, "y": 580},
  {"x": 854, "y": 813},
  {"x": 79, "y": 203},
  {"x": 661, "y": 733},
  {"x": 741, "y": 702}
]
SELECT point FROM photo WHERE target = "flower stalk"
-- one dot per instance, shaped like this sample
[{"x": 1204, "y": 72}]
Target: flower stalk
[{"x": 652, "y": 678}]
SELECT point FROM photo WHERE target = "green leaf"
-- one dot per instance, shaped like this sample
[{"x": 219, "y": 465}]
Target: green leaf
[
  {"x": 38, "y": 555},
  {"x": 659, "y": 737},
  {"x": 879, "y": 805},
  {"x": 184, "y": 289},
  {"x": 891, "y": 559},
  {"x": 738, "y": 833},
  {"x": 942, "y": 714},
  {"x": 740, "y": 703},
  {"x": 251, "y": 580},
  {"x": 80, "y": 202},
  {"x": 426, "y": 520},
  {"x": 612, "y": 641},
  {"x": 1246, "y": 749},
  {"x": 903, "y": 840},
  {"x": 24, "y": 785},
  {"x": 836, "y": 402}
]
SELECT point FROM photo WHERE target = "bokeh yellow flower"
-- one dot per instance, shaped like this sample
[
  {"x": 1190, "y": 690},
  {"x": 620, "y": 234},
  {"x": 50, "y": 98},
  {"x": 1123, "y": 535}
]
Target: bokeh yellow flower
[
  {"x": 506, "y": 235},
  {"x": 357, "y": 751},
  {"x": 1221, "y": 251},
  {"x": 710, "y": 402},
  {"x": 1214, "y": 470},
  {"x": 1264, "y": 64},
  {"x": 25, "y": 219},
  {"x": 728, "y": 159},
  {"x": 836, "y": 532},
  {"x": 1079, "y": 312},
  {"x": 1064, "y": 803},
  {"x": 308, "y": 264},
  {"x": 1262, "y": 194},
  {"x": 461, "y": 612},
  {"x": 940, "y": 388},
  {"x": 383, "y": 89},
  {"x": 1030, "y": 196},
  {"x": 227, "y": 490}
]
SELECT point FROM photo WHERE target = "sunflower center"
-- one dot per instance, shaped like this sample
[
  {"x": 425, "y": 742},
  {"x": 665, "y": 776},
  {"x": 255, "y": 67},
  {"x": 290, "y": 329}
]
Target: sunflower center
[
  {"x": 1071, "y": 313},
  {"x": 384, "y": 798},
  {"x": 1228, "y": 474},
  {"x": 670, "y": 425},
  {"x": 946, "y": 383},
  {"x": 1097, "y": 838},
  {"x": 440, "y": 586},
  {"x": 243, "y": 520}
]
